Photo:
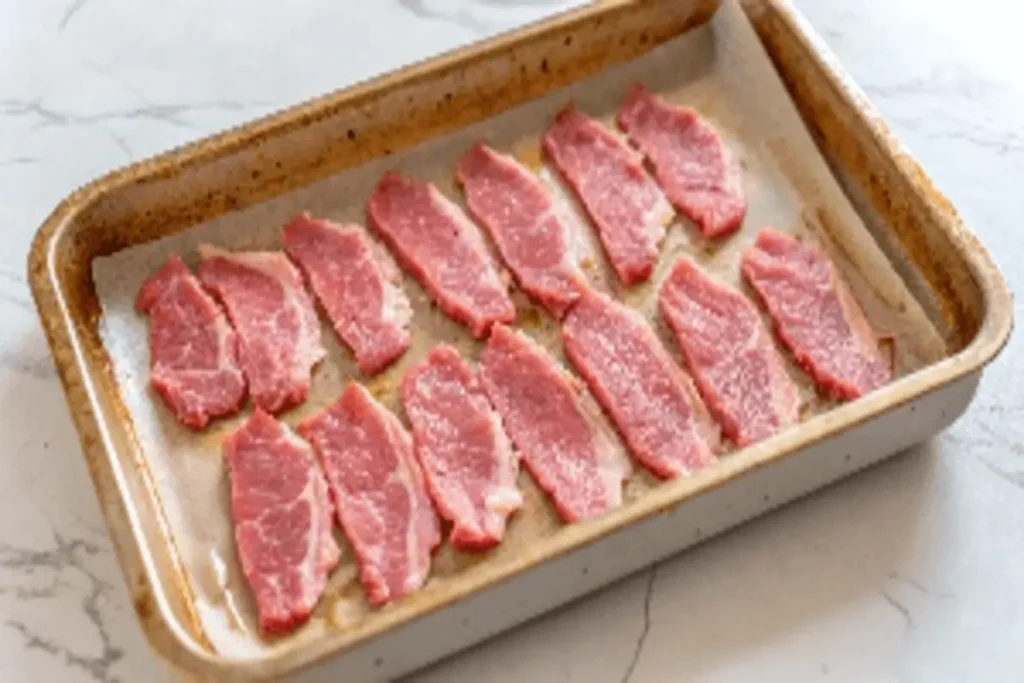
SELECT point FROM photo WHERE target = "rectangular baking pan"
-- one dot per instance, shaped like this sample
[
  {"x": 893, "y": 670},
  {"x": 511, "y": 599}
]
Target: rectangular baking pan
[{"x": 941, "y": 261}]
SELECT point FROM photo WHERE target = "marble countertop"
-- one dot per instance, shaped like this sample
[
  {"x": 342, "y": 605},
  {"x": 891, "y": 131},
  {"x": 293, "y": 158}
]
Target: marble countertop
[{"x": 912, "y": 571}]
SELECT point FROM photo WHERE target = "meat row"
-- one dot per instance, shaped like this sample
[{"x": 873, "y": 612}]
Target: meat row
[
  {"x": 388, "y": 485},
  {"x": 276, "y": 344},
  {"x": 203, "y": 365},
  {"x": 471, "y": 426}
]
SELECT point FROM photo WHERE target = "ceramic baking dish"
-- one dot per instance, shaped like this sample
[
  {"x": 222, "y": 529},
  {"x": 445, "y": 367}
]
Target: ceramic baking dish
[{"x": 944, "y": 267}]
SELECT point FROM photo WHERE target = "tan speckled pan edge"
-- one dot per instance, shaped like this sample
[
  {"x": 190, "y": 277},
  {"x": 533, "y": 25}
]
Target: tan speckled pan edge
[{"x": 313, "y": 140}]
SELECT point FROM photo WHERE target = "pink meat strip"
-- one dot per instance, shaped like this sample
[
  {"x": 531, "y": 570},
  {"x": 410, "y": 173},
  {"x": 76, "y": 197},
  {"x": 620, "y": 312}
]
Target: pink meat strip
[
  {"x": 378, "y": 488},
  {"x": 277, "y": 326},
  {"x": 815, "y": 315},
  {"x": 283, "y": 518},
  {"x": 691, "y": 163},
  {"x": 522, "y": 219},
  {"x": 648, "y": 397},
  {"x": 442, "y": 248},
  {"x": 562, "y": 436},
  {"x": 469, "y": 464},
  {"x": 730, "y": 355},
  {"x": 624, "y": 202},
  {"x": 360, "y": 290},
  {"x": 193, "y": 350}
]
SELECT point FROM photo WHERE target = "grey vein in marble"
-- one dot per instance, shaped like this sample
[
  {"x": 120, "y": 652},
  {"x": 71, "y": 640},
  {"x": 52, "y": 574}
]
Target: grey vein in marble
[
  {"x": 30, "y": 365},
  {"x": 899, "y": 607},
  {"x": 166, "y": 113},
  {"x": 1001, "y": 143},
  {"x": 73, "y": 9},
  {"x": 13, "y": 290},
  {"x": 460, "y": 17},
  {"x": 984, "y": 442},
  {"x": 23, "y": 593},
  {"x": 1015, "y": 478},
  {"x": 951, "y": 86},
  {"x": 462, "y": 14},
  {"x": 17, "y": 300},
  {"x": 18, "y": 161},
  {"x": 119, "y": 140},
  {"x": 641, "y": 640},
  {"x": 64, "y": 557},
  {"x": 921, "y": 588}
]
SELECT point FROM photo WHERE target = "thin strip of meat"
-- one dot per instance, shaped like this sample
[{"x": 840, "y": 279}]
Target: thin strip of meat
[
  {"x": 193, "y": 350},
  {"x": 360, "y": 290},
  {"x": 730, "y": 355},
  {"x": 564, "y": 440},
  {"x": 649, "y": 398},
  {"x": 443, "y": 249},
  {"x": 691, "y": 163},
  {"x": 379, "y": 491},
  {"x": 522, "y": 219},
  {"x": 283, "y": 518},
  {"x": 815, "y": 315},
  {"x": 277, "y": 326},
  {"x": 608, "y": 177},
  {"x": 469, "y": 464}
]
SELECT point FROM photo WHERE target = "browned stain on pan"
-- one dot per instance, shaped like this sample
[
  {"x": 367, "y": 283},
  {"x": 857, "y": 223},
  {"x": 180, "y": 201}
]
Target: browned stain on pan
[{"x": 856, "y": 138}]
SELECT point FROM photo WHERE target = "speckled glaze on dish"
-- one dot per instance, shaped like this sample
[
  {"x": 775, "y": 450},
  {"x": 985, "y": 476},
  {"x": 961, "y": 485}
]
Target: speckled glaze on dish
[{"x": 940, "y": 259}]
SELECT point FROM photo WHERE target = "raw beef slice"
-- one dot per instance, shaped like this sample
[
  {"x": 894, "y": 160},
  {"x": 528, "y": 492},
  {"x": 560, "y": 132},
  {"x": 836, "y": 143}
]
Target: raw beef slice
[
  {"x": 560, "y": 433},
  {"x": 442, "y": 248},
  {"x": 815, "y": 314},
  {"x": 378, "y": 488},
  {"x": 283, "y": 518},
  {"x": 360, "y": 290},
  {"x": 691, "y": 163},
  {"x": 648, "y": 397},
  {"x": 522, "y": 219},
  {"x": 278, "y": 331},
  {"x": 469, "y": 464},
  {"x": 730, "y": 355},
  {"x": 625, "y": 204},
  {"x": 193, "y": 350}
]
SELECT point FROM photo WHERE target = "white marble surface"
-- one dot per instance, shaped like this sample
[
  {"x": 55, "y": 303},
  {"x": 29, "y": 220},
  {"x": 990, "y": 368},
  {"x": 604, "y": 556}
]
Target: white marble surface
[{"x": 913, "y": 571}]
